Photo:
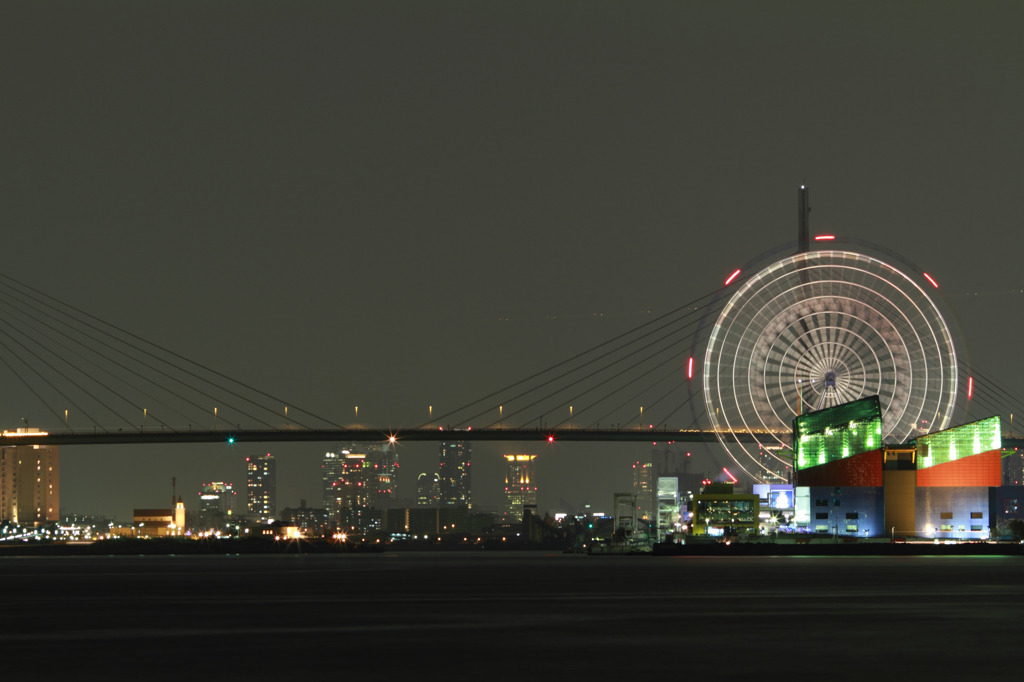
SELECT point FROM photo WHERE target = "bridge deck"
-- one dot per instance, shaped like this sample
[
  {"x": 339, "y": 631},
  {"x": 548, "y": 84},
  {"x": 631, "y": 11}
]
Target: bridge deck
[
  {"x": 374, "y": 435},
  {"x": 355, "y": 436}
]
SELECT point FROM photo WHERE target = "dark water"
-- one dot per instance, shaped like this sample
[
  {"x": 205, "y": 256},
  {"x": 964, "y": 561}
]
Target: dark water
[{"x": 512, "y": 616}]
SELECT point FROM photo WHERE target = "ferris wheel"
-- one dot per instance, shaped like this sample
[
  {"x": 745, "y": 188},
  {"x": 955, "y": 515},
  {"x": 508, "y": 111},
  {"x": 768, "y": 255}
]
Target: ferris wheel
[{"x": 819, "y": 329}]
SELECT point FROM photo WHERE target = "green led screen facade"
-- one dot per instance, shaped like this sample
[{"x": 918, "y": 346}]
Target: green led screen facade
[
  {"x": 955, "y": 444},
  {"x": 837, "y": 432}
]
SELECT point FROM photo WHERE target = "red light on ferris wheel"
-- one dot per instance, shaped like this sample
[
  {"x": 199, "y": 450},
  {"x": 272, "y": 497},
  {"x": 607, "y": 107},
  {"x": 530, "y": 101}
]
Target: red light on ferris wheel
[
  {"x": 732, "y": 277},
  {"x": 689, "y": 369},
  {"x": 970, "y": 387},
  {"x": 929, "y": 278}
]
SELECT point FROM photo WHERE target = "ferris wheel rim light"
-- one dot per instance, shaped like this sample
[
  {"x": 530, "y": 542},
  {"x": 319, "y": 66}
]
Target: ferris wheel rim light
[{"x": 836, "y": 325}]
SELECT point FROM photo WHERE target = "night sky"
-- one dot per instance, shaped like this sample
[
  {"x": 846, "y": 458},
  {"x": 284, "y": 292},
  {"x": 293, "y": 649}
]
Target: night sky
[{"x": 403, "y": 204}]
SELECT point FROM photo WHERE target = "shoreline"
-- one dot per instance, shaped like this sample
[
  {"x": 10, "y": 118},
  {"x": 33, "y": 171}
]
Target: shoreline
[{"x": 178, "y": 547}]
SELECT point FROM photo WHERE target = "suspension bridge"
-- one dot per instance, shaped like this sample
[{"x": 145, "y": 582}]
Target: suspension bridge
[{"x": 123, "y": 389}]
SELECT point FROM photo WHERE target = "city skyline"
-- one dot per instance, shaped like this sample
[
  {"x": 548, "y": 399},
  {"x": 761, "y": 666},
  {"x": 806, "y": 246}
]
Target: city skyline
[{"x": 402, "y": 208}]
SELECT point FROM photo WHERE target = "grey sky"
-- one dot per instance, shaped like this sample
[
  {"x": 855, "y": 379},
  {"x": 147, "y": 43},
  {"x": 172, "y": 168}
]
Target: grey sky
[{"x": 384, "y": 204}]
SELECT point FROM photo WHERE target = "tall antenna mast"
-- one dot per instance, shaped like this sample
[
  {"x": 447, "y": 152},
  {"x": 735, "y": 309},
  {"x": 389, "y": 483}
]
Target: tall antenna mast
[{"x": 804, "y": 213}]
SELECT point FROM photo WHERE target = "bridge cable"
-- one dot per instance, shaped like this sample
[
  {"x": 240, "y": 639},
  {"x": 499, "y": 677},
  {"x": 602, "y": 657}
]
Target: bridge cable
[
  {"x": 48, "y": 382},
  {"x": 621, "y": 347},
  {"x": 593, "y": 373},
  {"x": 172, "y": 354},
  {"x": 38, "y": 333},
  {"x": 573, "y": 358}
]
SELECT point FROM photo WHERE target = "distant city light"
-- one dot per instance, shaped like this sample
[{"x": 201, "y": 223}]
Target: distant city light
[
  {"x": 929, "y": 278},
  {"x": 732, "y": 277},
  {"x": 20, "y": 432}
]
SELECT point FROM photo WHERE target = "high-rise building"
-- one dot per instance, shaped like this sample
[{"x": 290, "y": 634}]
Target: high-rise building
[
  {"x": 261, "y": 487},
  {"x": 520, "y": 485},
  {"x": 385, "y": 461},
  {"x": 355, "y": 487},
  {"x": 330, "y": 474},
  {"x": 428, "y": 490},
  {"x": 455, "y": 474},
  {"x": 216, "y": 505},
  {"x": 359, "y": 476},
  {"x": 29, "y": 484},
  {"x": 1013, "y": 468},
  {"x": 643, "y": 489}
]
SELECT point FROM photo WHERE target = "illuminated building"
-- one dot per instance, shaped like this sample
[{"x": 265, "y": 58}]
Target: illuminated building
[
  {"x": 216, "y": 505},
  {"x": 261, "y": 487},
  {"x": 777, "y": 503},
  {"x": 354, "y": 487},
  {"x": 423, "y": 522},
  {"x": 1013, "y": 467},
  {"x": 330, "y": 473},
  {"x": 310, "y": 521},
  {"x": 386, "y": 455},
  {"x": 520, "y": 485},
  {"x": 840, "y": 446},
  {"x": 29, "y": 484},
  {"x": 955, "y": 470},
  {"x": 668, "y": 506},
  {"x": 849, "y": 483},
  {"x": 717, "y": 510},
  {"x": 455, "y": 474},
  {"x": 428, "y": 490},
  {"x": 359, "y": 477},
  {"x": 643, "y": 490},
  {"x": 158, "y": 523}
]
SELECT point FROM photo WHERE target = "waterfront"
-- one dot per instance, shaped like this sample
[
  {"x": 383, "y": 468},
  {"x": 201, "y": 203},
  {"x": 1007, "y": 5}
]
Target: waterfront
[{"x": 510, "y": 615}]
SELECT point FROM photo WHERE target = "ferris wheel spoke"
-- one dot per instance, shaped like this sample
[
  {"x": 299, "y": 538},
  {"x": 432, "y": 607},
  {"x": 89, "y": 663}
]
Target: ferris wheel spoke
[{"x": 823, "y": 328}]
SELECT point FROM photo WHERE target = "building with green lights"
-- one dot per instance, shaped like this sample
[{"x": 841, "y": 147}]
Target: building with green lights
[
  {"x": 848, "y": 483},
  {"x": 839, "y": 446}
]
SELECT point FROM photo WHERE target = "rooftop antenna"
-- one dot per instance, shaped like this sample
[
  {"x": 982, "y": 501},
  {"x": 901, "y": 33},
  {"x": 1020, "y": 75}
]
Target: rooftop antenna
[
  {"x": 804, "y": 233},
  {"x": 804, "y": 213}
]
